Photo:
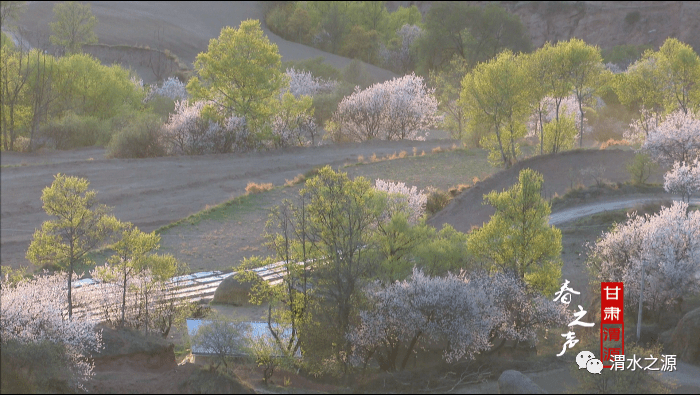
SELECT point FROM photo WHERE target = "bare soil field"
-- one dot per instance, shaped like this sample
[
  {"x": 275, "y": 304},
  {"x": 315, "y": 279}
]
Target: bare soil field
[
  {"x": 185, "y": 28},
  {"x": 154, "y": 192},
  {"x": 560, "y": 172}
]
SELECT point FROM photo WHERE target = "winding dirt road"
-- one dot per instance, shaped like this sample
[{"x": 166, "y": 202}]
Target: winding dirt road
[{"x": 571, "y": 214}]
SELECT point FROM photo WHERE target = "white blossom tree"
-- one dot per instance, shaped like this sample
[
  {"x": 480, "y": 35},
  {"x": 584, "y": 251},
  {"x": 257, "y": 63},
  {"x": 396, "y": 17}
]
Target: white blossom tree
[
  {"x": 395, "y": 109},
  {"x": 683, "y": 179},
  {"x": 523, "y": 311},
  {"x": 639, "y": 128},
  {"x": 665, "y": 245},
  {"x": 304, "y": 83},
  {"x": 171, "y": 88},
  {"x": 402, "y": 198},
  {"x": 33, "y": 311},
  {"x": 423, "y": 309},
  {"x": 189, "y": 132},
  {"x": 293, "y": 124},
  {"x": 677, "y": 138},
  {"x": 401, "y": 57},
  {"x": 464, "y": 312}
]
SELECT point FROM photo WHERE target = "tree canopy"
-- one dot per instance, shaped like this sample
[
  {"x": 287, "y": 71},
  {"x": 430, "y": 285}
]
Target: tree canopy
[
  {"x": 518, "y": 237},
  {"x": 240, "y": 73},
  {"x": 73, "y": 27}
]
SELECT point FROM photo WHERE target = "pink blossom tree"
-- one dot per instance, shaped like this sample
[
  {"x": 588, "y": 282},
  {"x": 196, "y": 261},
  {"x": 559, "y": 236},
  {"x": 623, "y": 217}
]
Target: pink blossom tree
[
  {"x": 188, "y": 131},
  {"x": 676, "y": 139},
  {"x": 665, "y": 245},
  {"x": 395, "y": 109},
  {"x": 683, "y": 179}
]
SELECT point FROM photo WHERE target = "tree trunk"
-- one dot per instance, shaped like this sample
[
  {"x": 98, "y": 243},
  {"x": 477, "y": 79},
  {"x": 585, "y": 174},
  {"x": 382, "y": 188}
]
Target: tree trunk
[
  {"x": 410, "y": 350},
  {"x": 124, "y": 298}
]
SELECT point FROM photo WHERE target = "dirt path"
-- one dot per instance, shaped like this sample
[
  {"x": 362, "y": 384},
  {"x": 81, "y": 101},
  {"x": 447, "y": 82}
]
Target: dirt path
[
  {"x": 154, "y": 192},
  {"x": 571, "y": 214}
]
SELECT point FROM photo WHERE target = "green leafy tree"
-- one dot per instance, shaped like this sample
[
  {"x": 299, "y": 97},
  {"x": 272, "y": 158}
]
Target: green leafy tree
[
  {"x": 681, "y": 68},
  {"x": 585, "y": 72},
  {"x": 518, "y": 238},
  {"x": 662, "y": 81},
  {"x": 447, "y": 88},
  {"x": 74, "y": 26},
  {"x": 9, "y": 11},
  {"x": 130, "y": 255},
  {"x": 361, "y": 44},
  {"x": 15, "y": 72},
  {"x": 493, "y": 96},
  {"x": 535, "y": 63},
  {"x": 342, "y": 214},
  {"x": 222, "y": 337},
  {"x": 94, "y": 89},
  {"x": 474, "y": 33},
  {"x": 402, "y": 16},
  {"x": 241, "y": 73},
  {"x": 559, "y": 135},
  {"x": 81, "y": 226}
]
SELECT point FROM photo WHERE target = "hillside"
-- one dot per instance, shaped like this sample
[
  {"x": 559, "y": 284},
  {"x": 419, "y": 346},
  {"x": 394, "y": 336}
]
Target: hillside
[{"x": 602, "y": 23}]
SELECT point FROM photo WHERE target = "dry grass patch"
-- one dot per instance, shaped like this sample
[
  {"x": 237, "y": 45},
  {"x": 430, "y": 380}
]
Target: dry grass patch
[
  {"x": 253, "y": 188},
  {"x": 298, "y": 179},
  {"x": 613, "y": 142},
  {"x": 373, "y": 158},
  {"x": 360, "y": 159}
]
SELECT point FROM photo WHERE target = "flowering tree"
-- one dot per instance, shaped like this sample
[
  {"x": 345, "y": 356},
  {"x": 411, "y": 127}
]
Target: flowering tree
[
  {"x": 172, "y": 88},
  {"x": 677, "y": 138},
  {"x": 400, "y": 56},
  {"x": 293, "y": 124},
  {"x": 403, "y": 198},
  {"x": 555, "y": 135},
  {"x": 424, "y": 309},
  {"x": 683, "y": 179},
  {"x": 396, "y": 109},
  {"x": 465, "y": 312},
  {"x": 639, "y": 128},
  {"x": 411, "y": 108},
  {"x": 667, "y": 244},
  {"x": 303, "y": 83},
  {"x": 188, "y": 131},
  {"x": 33, "y": 311}
]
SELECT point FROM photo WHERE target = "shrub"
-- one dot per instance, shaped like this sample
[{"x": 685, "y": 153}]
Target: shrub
[
  {"x": 253, "y": 188},
  {"x": 140, "y": 138},
  {"x": 73, "y": 131},
  {"x": 632, "y": 17},
  {"x": 34, "y": 367},
  {"x": 355, "y": 73},
  {"x": 162, "y": 106},
  {"x": 640, "y": 168},
  {"x": 437, "y": 200}
]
